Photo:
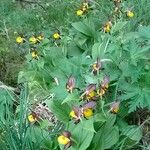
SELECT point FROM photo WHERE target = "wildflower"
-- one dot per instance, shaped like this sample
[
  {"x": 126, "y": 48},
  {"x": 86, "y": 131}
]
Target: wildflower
[
  {"x": 85, "y": 6},
  {"x": 84, "y": 111},
  {"x": 90, "y": 88},
  {"x": 103, "y": 87},
  {"x": 56, "y": 36},
  {"x": 115, "y": 107},
  {"x": 116, "y": 10},
  {"x": 34, "y": 54},
  {"x": 65, "y": 139},
  {"x": 76, "y": 114},
  {"x": 96, "y": 67},
  {"x": 33, "y": 40},
  {"x": 20, "y": 40},
  {"x": 107, "y": 27},
  {"x": 40, "y": 37},
  {"x": 32, "y": 118},
  {"x": 89, "y": 92},
  {"x": 91, "y": 96},
  {"x": 72, "y": 114},
  {"x": 70, "y": 85},
  {"x": 88, "y": 109},
  {"x": 130, "y": 14},
  {"x": 79, "y": 12},
  {"x": 87, "y": 113}
]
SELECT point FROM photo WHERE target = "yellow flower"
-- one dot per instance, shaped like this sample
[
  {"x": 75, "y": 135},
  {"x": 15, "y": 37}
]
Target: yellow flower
[
  {"x": 130, "y": 14},
  {"x": 32, "y": 118},
  {"x": 34, "y": 54},
  {"x": 107, "y": 27},
  {"x": 115, "y": 110},
  {"x": 101, "y": 92},
  {"x": 56, "y": 36},
  {"x": 70, "y": 85},
  {"x": 63, "y": 140},
  {"x": 32, "y": 40},
  {"x": 19, "y": 40},
  {"x": 40, "y": 38},
  {"x": 79, "y": 12},
  {"x": 91, "y": 95},
  {"x": 72, "y": 114},
  {"x": 84, "y": 7},
  {"x": 88, "y": 113},
  {"x": 115, "y": 107}
]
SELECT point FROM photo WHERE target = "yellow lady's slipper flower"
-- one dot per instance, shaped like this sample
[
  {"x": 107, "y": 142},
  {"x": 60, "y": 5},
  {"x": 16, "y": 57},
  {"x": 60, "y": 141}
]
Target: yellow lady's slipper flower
[
  {"x": 96, "y": 67},
  {"x": 72, "y": 114},
  {"x": 63, "y": 140},
  {"x": 103, "y": 87},
  {"x": 130, "y": 14},
  {"x": 79, "y": 12},
  {"x": 115, "y": 107},
  {"x": 107, "y": 27},
  {"x": 19, "y": 40},
  {"x": 56, "y": 36},
  {"x": 32, "y": 118},
  {"x": 101, "y": 92},
  {"x": 33, "y": 40},
  {"x": 34, "y": 54},
  {"x": 85, "y": 6},
  {"x": 40, "y": 37},
  {"x": 70, "y": 85},
  {"x": 91, "y": 95},
  {"x": 88, "y": 113}
]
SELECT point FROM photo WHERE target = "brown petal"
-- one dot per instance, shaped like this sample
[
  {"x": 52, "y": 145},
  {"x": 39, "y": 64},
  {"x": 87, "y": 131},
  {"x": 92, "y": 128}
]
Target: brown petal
[
  {"x": 90, "y": 88},
  {"x": 105, "y": 81},
  {"x": 90, "y": 104},
  {"x": 66, "y": 134}
]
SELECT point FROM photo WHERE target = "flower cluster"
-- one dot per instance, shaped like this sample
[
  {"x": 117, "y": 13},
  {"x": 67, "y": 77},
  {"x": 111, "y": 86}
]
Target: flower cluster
[
  {"x": 85, "y": 111},
  {"x": 83, "y": 9},
  {"x": 34, "y": 39}
]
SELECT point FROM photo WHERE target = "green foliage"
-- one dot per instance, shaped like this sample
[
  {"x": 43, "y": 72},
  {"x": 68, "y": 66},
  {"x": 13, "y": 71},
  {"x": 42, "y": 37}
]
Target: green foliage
[{"x": 122, "y": 56}]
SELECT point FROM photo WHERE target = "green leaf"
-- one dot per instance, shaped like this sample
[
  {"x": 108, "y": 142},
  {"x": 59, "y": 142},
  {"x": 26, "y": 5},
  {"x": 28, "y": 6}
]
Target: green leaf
[
  {"x": 118, "y": 26},
  {"x": 111, "y": 136},
  {"x": 100, "y": 117},
  {"x": 60, "y": 110},
  {"x": 82, "y": 135},
  {"x": 71, "y": 97},
  {"x": 133, "y": 132},
  {"x": 85, "y": 28},
  {"x": 144, "y": 32},
  {"x": 88, "y": 125},
  {"x": 99, "y": 49}
]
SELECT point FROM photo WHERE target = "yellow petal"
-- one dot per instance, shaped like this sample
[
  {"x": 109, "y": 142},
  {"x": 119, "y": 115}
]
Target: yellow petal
[
  {"x": 72, "y": 114},
  {"x": 91, "y": 95},
  {"x": 88, "y": 113},
  {"x": 34, "y": 54},
  {"x": 33, "y": 40},
  {"x": 79, "y": 12},
  {"x": 63, "y": 140},
  {"x": 31, "y": 118},
  {"x": 56, "y": 36},
  {"x": 130, "y": 14},
  {"x": 19, "y": 40}
]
